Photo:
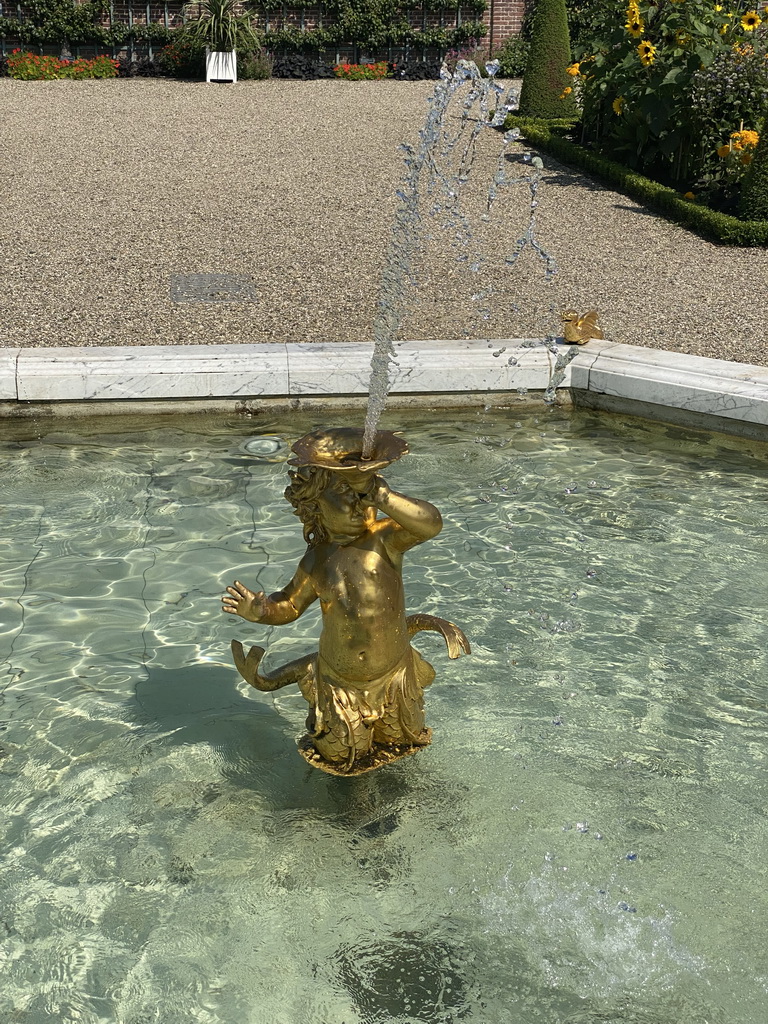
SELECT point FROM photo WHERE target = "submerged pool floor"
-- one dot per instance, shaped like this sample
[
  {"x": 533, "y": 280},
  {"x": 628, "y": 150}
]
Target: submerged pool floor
[{"x": 583, "y": 843}]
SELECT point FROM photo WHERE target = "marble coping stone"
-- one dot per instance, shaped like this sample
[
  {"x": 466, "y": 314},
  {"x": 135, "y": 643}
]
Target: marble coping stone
[
  {"x": 666, "y": 379},
  {"x": 271, "y": 370},
  {"x": 693, "y": 384},
  {"x": 8, "y": 359}
]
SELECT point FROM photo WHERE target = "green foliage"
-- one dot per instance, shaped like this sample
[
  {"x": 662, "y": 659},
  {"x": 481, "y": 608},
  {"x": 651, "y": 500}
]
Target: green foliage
[
  {"x": 718, "y": 227},
  {"x": 294, "y": 40},
  {"x": 183, "y": 57},
  {"x": 663, "y": 86},
  {"x": 512, "y": 55},
  {"x": 754, "y": 192},
  {"x": 254, "y": 65},
  {"x": 56, "y": 21},
  {"x": 218, "y": 25},
  {"x": 545, "y": 79},
  {"x": 370, "y": 25}
]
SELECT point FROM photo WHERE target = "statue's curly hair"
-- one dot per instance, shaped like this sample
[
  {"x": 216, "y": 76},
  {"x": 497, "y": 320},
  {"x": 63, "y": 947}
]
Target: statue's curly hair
[{"x": 306, "y": 486}]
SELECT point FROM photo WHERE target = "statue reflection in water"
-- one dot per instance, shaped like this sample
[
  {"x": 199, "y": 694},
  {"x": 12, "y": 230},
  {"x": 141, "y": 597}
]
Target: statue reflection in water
[{"x": 365, "y": 684}]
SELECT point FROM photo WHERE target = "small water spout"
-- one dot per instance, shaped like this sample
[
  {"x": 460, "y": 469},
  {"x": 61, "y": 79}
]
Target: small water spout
[{"x": 438, "y": 168}]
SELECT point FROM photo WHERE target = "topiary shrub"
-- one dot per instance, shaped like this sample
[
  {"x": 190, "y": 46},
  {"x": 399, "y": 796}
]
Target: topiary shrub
[
  {"x": 753, "y": 203},
  {"x": 547, "y": 90}
]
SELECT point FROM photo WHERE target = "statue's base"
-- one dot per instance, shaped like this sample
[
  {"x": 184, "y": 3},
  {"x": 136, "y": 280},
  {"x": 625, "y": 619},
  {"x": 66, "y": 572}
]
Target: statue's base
[{"x": 377, "y": 758}]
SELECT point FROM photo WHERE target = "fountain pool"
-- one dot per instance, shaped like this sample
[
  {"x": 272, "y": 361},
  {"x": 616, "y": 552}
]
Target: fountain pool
[{"x": 584, "y": 841}]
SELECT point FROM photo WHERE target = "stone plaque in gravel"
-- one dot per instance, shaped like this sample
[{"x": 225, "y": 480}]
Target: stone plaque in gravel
[{"x": 212, "y": 288}]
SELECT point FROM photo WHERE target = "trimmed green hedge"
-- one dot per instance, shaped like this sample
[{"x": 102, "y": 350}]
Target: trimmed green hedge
[{"x": 717, "y": 227}]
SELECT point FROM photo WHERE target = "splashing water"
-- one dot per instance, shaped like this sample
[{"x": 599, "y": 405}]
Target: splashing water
[{"x": 437, "y": 169}]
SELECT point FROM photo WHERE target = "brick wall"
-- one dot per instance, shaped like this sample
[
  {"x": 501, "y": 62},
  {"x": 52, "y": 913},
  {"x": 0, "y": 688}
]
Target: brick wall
[{"x": 503, "y": 17}]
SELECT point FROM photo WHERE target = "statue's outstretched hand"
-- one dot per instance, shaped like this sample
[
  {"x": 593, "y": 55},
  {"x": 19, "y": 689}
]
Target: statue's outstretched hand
[{"x": 239, "y": 600}]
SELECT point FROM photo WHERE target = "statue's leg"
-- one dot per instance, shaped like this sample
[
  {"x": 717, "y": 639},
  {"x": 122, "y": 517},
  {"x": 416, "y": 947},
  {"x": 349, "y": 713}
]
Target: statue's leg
[
  {"x": 401, "y": 718},
  {"x": 342, "y": 726}
]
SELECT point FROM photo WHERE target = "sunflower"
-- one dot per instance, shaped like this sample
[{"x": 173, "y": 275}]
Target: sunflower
[
  {"x": 647, "y": 53},
  {"x": 723, "y": 151},
  {"x": 746, "y": 158},
  {"x": 574, "y": 69},
  {"x": 618, "y": 104},
  {"x": 750, "y": 21},
  {"x": 682, "y": 38},
  {"x": 635, "y": 28},
  {"x": 744, "y": 138}
]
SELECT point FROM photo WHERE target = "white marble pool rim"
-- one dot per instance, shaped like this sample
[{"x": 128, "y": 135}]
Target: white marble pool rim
[{"x": 653, "y": 378}]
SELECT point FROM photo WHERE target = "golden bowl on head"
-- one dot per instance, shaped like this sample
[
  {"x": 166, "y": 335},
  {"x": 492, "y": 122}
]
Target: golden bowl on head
[{"x": 340, "y": 449}]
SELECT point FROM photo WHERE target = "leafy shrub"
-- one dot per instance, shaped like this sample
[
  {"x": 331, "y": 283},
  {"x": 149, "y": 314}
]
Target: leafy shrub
[
  {"x": 361, "y": 72},
  {"x": 417, "y": 71},
  {"x": 30, "y": 67},
  {"x": 473, "y": 50},
  {"x": 512, "y": 56},
  {"x": 183, "y": 58},
  {"x": 296, "y": 65},
  {"x": 547, "y": 90},
  {"x": 254, "y": 65},
  {"x": 142, "y": 68}
]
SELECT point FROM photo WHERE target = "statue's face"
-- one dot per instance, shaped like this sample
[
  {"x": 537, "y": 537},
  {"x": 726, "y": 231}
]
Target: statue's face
[{"x": 341, "y": 511}]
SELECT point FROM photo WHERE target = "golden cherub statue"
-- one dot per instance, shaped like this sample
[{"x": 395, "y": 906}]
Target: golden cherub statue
[
  {"x": 365, "y": 683},
  {"x": 579, "y": 329}
]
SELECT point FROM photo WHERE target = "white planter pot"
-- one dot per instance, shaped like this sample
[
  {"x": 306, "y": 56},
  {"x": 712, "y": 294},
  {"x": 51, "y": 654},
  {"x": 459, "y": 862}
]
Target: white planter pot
[{"x": 220, "y": 66}]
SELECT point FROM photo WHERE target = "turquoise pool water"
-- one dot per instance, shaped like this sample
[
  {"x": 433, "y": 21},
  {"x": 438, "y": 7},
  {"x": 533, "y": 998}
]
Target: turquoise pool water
[{"x": 585, "y": 841}]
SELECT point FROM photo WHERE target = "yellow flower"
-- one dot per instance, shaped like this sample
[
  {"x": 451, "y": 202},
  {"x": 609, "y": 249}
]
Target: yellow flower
[
  {"x": 647, "y": 53},
  {"x": 618, "y": 104},
  {"x": 744, "y": 138},
  {"x": 750, "y": 21},
  {"x": 635, "y": 28},
  {"x": 681, "y": 37},
  {"x": 689, "y": 195},
  {"x": 723, "y": 29},
  {"x": 566, "y": 92},
  {"x": 746, "y": 158},
  {"x": 574, "y": 69},
  {"x": 718, "y": 7},
  {"x": 723, "y": 151}
]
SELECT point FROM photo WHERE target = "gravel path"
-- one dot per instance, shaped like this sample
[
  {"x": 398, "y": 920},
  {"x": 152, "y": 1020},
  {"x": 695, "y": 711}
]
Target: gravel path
[{"x": 111, "y": 188}]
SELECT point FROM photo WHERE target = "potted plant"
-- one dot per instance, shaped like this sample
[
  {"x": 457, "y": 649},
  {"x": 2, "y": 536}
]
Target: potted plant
[{"x": 217, "y": 25}]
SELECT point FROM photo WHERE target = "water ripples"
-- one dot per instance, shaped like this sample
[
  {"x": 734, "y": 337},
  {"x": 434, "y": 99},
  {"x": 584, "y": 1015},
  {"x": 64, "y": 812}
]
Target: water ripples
[{"x": 167, "y": 852}]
